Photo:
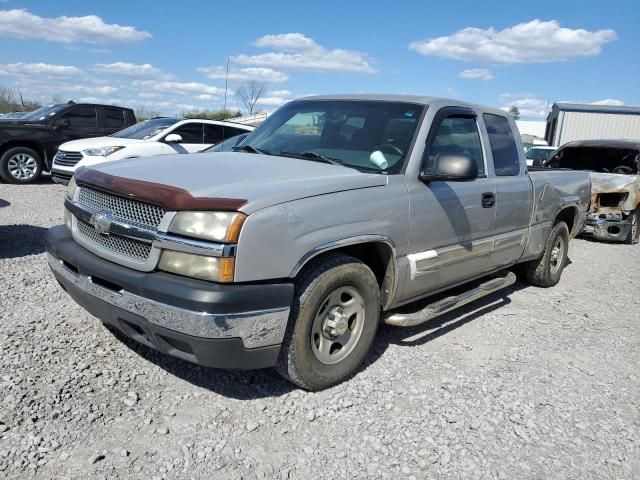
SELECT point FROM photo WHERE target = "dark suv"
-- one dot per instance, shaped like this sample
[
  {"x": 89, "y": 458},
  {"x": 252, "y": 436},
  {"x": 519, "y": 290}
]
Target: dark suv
[{"x": 28, "y": 145}]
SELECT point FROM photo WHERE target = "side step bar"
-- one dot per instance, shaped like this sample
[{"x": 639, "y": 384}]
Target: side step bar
[{"x": 450, "y": 303}]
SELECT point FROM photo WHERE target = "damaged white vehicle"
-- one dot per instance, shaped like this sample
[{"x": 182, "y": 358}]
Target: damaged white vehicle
[{"x": 615, "y": 185}]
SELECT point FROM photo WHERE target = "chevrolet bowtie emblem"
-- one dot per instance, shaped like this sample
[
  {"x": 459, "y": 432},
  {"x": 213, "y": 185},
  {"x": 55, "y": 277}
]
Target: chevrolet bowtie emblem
[{"x": 102, "y": 222}]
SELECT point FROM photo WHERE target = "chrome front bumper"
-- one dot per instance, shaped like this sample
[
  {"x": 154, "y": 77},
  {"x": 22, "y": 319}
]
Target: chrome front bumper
[{"x": 255, "y": 328}]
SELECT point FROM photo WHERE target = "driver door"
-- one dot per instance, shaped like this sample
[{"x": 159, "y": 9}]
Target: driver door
[{"x": 452, "y": 222}]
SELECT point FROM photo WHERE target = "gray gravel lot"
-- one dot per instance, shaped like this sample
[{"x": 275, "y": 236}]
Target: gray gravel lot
[{"x": 530, "y": 383}]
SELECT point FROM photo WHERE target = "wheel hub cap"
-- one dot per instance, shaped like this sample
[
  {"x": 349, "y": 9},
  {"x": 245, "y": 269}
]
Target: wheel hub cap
[
  {"x": 22, "y": 166},
  {"x": 335, "y": 323},
  {"x": 338, "y": 325}
]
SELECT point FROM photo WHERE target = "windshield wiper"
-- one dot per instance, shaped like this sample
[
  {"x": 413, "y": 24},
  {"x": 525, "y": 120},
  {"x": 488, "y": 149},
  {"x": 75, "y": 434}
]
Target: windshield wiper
[
  {"x": 250, "y": 149},
  {"x": 314, "y": 156}
]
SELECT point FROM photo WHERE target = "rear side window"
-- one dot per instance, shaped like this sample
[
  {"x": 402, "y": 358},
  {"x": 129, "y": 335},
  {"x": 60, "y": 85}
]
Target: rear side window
[
  {"x": 114, "y": 118},
  {"x": 190, "y": 132},
  {"x": 213, "y": 133},
  {"x": 229, "y": 132},
  {"x": 506, "y": 160},
  {"x": 82, "y": 117}
]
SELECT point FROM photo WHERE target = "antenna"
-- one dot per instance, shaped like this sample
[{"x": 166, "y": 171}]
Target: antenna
[{"x": 226, "y": 85}]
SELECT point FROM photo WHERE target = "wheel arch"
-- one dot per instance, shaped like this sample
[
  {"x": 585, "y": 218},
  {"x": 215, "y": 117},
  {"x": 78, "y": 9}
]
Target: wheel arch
[
  {"x": 36, "y": 146},
  {"x": 569, "y": 215},
  {"x": 376, "y": 251}
]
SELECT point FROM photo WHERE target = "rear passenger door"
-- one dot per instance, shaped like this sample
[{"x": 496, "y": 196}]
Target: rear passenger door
[
  {"x": 514, "y": 195},
  {"x": 113, "y": 120},
  {"x": 192, "y": 138},
  {"x": 451, "y": 228}
]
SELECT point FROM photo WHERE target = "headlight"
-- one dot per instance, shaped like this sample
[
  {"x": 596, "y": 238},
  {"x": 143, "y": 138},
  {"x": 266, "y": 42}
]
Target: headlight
[
  {"x": 216, "y": 226},
  {"x": 101, "y": 152},
  {"x": 217, "y": 269},
  {"x": 71, "y": 188}
]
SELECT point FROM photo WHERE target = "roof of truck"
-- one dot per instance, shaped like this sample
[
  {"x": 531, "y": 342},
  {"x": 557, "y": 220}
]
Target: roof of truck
[{"x": 417, "y": 99}]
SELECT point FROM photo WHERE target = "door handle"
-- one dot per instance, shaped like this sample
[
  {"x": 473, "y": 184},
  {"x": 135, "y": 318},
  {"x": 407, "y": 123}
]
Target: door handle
[{"x": 488, "y": 199}]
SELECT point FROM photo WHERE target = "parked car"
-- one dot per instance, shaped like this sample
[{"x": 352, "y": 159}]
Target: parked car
[
  {"x": 228, "y": 145},
  {"x": 158, "y": 136},
  {"x": 28, "y": 144},
  {"x": 336, "y": 211},
  {"x": 536, "y": 156},
  {"x": 615, "y": 192},
  {"x": 12, "y": 115}
]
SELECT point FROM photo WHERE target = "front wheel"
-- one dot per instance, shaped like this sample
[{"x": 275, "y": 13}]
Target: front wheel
[
  {"x": 547, "y": 270},
  {"x": 333, "y": 322},
  {"x": 20, "y": 165}
]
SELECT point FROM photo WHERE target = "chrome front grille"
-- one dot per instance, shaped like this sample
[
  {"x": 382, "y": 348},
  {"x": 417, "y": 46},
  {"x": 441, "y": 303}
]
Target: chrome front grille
[
  {"x": 129, "y": 211},
  {"x": 133, "y": 249},
  {"x": 67, "y": 159}
]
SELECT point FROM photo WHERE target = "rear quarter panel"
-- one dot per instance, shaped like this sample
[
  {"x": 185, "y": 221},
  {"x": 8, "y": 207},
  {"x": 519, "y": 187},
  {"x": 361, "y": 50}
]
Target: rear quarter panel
[{"x": 553, "y": 191}]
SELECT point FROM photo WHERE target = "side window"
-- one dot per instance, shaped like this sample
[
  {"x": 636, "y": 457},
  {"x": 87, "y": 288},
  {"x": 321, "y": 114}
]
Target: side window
[
  {"x": 506, "y": 160},
  {"x": 455, "y": 135},
  {"x": 213, "y": 133},
  {"x": 190, "y": 132},
  {"x": 114, "y": 118},
  {"x": 82, "y": 117},
  {"x": 229, "y": 132}
]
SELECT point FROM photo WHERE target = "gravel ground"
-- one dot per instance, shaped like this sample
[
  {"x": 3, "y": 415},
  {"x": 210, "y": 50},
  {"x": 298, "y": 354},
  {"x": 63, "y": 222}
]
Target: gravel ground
[{"x": 531, "y": 383}]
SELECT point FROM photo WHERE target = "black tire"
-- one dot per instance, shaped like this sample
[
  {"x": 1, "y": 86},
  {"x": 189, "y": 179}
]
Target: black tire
[
  {"x": 298, "y": 361},
  {"x": 634, "y": 232},
  {"x": 11, "y": 154},
  {"x": 547, "y": 269}
]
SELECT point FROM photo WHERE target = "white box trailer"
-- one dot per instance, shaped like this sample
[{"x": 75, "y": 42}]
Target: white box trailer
[{"x": 575, "y": 121}]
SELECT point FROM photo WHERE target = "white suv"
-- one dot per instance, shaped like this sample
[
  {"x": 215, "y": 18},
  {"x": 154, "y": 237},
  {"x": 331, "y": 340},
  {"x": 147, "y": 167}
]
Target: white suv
[{"x": 158, "y": 136}]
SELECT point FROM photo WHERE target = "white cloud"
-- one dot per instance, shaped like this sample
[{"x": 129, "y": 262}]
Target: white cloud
[
  {"x": 180, "y": 88},
  {"x": 19, "y": 23},
  {"x": 205, "y": 96},
  {"x": 40, "y": 69},
  {"x": 286, "y": 41},
  {"x": 97, "y": 90},
  {"x": 529, "y": 105},
  {"x": 476, "y": 74},
  {"x": 298, "y": 52},
  {"x": 127, "y": 69},
  {"x": 261, "y": 74},
  {"x": 609, "y": 101},
  {"x": 536, "y": 41},
  {"x": 280, "y": 93}
]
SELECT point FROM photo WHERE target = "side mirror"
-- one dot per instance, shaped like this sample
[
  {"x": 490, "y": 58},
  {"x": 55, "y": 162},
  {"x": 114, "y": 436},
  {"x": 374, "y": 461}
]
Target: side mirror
[
  {"x": 61, "y": 123},
  {"x": 455, "y": 167},
  {"x": 173, "y": 138}
]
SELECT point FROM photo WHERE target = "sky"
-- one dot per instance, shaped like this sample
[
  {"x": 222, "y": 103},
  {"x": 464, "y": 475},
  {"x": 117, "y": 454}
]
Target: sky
[{"x": 171, "y": 58}]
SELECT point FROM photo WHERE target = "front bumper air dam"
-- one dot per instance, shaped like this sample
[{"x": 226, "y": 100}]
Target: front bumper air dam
[
  {"x": 210, "y": 324},
  {"x": 611, "y": 230}
]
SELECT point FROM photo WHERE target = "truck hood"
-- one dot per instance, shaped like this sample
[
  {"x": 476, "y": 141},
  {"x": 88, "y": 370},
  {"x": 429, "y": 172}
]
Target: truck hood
[
  {"x": 97, "y": 142},
  {"x": 261, "y": 180},
  {"x": 613, "y": 182}
]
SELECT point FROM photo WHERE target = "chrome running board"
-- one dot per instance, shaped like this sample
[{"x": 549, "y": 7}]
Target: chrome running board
[{"x": 502, "y": 280}]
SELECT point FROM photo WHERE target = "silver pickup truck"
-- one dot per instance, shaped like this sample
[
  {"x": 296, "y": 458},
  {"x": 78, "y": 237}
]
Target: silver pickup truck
[{"x": 290, "y": 251}]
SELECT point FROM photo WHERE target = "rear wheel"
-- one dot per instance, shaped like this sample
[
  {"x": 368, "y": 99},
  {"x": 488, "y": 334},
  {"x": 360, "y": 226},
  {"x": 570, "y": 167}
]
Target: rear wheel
[
  {"x": 333, "y": 322},
  {"x": 634, "y": 232},
  {"x": 20, "y": 165},
  {"x": 547, "y": 269}
]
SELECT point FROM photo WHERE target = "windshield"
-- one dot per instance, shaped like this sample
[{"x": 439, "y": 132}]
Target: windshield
[
  {"x": 147, "y": 129},
  {"x": 539, "y": 153},
  {"x": 371, "y": 136},
  {"x": 597, "y": 159},
  {"x": 44, "y": 112}
]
